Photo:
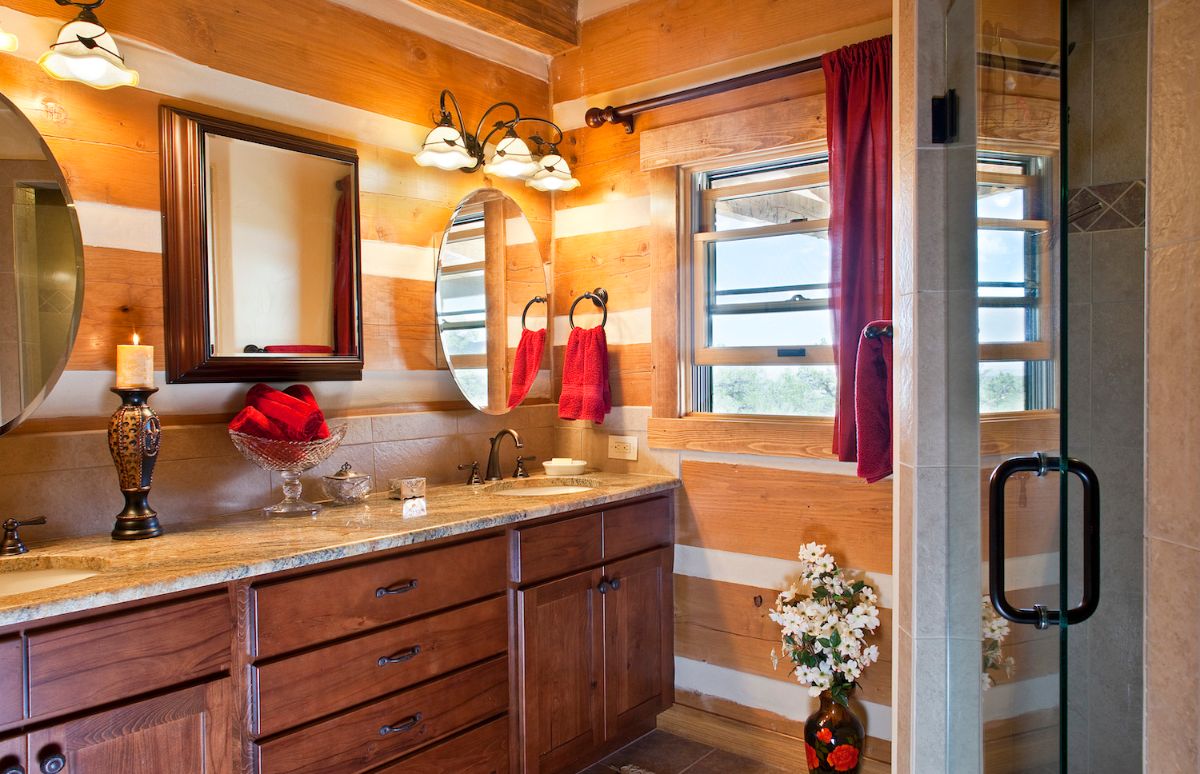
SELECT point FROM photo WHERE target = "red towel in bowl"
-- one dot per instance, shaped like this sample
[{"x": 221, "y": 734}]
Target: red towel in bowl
[
  {"x": 873, "y": 404},
  {"x": 251, "y": 421},
  {"x": 585, "y": 389},
  {"x": 297, "y": 419},
  {"x": 302, "y": 392},
  {"x": 526, "y": 364}
]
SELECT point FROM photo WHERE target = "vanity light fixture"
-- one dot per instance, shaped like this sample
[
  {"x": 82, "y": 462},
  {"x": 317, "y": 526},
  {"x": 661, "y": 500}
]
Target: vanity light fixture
[
  {"x": 8, "y": 41},
  {"x": 451, "y": 146},
  {"x": 86, "y": 52}
]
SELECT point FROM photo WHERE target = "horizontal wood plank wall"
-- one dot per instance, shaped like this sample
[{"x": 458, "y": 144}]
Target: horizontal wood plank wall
[
  {"x": 605, "y": 235},
  {"x": 107, "y": 145}
]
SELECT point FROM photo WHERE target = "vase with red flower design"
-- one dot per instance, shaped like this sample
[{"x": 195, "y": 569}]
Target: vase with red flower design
[{"x": 833, "y": 738}]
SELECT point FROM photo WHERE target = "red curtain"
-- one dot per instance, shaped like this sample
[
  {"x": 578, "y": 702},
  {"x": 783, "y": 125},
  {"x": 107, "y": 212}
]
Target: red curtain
[
  {"x": 343, "y": 271},
  {"x": 858, "y": 101}
]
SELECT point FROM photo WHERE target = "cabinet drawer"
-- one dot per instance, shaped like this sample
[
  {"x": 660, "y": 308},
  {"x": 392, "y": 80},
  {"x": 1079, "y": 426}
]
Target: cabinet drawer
[
  {"x": 324, "y": 681},
  {"x": 557, "y": 549},
  {"x": 91, "y": 663},
  {"x": 482, "y": 750},
  {"x": 11, "y": 669},
  {"x": 632, "y": 528},
  {"x": 295, "y": 613},
  {"x": 388, "y": 728}
]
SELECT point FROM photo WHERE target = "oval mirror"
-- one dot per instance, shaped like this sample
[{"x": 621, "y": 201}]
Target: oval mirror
[
  {"x": 491, "y": 303},
  {"x": 41, "y": 269}
]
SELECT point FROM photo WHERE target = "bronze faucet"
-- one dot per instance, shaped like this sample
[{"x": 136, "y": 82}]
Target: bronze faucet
[
  {"x": 11, "y": 544},
  {"x": 493, "y": 466}
]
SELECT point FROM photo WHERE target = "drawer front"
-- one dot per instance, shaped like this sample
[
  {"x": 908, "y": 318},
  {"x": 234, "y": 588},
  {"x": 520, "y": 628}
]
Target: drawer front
[
  {"x": 94, "y": 662},
  {"x": 482, "y": 750},
  {"x": 638, "y": 527},
  {"x": 11, "y": 668},
  {"x": 557, "y": 549},
  {"x": 324, "y": 681},
  {"x": 386, "y": 729},
  {"x": 316, "y": 608}
]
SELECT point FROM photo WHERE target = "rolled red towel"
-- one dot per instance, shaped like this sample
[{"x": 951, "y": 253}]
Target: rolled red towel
[
  {"x": 298, "y": 420},
  {"x": 302, "y": 392},
  {"x": 251, "y": 421},
  {"x": 298, "y": 349}
]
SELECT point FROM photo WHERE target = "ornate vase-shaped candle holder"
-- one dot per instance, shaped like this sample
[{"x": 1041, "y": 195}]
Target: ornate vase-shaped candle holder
[{"x": 133, "y": 437}]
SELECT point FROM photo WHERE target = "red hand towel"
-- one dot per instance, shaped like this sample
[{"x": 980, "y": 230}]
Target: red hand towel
[
  {"x": 298, "y": 349},
  {"x": 251, "y": 421},
  {"x": 873, "y": 404},
  {"x": 298, "y": 420},
  {"x": 526, "y": 364},
  {"x": 585, "y": 389},
  {"x": 302, "y": 392}
]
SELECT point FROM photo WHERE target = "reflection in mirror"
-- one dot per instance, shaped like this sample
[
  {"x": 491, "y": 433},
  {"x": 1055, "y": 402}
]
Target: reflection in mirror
[
  {"x": 280, "y": 249},
  {"x": 41, "y": 269},
  {"x": 491, "y": 303}
]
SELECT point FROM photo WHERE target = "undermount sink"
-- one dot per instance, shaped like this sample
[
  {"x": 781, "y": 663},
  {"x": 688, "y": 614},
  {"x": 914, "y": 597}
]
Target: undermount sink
[
  {"x": 547, "y": 486},
  {"x": 25, "y": 574}
]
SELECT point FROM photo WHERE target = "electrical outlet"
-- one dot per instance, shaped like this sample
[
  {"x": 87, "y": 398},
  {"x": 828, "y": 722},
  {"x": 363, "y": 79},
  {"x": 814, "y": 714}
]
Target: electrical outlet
[{"x": 622, "y": 447}]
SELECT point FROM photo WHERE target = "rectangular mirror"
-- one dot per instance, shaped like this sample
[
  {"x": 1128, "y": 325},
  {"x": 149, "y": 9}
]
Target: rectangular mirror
[{"x": 261, "y": 254}]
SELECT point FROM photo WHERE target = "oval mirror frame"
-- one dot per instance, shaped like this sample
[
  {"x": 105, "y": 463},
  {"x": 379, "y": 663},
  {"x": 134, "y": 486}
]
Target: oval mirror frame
[
  {"x": 490, "y": 286},
  {"x": 27, "y": 140}
]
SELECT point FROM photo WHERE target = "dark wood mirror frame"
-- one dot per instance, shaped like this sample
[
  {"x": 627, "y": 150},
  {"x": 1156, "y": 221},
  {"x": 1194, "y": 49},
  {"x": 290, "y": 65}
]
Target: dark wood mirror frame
[{"x": 189, "y": 354}]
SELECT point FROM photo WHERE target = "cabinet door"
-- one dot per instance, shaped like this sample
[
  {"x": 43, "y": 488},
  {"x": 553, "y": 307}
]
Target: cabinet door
[
  {"x": 184, "y": 732},
  {"x": 12, "y": 754},
  {"x": 638, "y": 669},
  {"x": 561, "y": 649}
]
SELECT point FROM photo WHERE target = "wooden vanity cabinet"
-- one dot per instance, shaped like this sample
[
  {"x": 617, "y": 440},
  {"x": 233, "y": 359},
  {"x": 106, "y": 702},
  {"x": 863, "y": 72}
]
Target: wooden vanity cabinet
[{"x": 595, "y": 645}]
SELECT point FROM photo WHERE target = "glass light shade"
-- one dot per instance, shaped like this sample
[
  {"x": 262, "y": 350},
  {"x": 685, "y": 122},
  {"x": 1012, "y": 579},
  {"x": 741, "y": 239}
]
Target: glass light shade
[
  {"x": 512, "y": 159},
  {"x": 443, "y": 148},
  {"x": 100, "y": 66},
  {"x": 553, "y": 174},
  {"x": 8, "y": 41}
]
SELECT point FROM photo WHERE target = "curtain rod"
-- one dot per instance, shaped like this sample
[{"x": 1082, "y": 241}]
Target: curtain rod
[{"x": 597, "y": 117}]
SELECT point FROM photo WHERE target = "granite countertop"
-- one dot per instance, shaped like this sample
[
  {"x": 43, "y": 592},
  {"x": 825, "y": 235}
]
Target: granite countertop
[{"x": 249, "y": 544}]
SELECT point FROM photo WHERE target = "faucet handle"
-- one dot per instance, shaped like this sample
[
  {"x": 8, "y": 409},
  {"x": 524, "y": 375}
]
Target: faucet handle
[
  {"x": 521, "y": 472},
  {"x": 11, "y": 544},
  {"x": 474, "y": 477}
]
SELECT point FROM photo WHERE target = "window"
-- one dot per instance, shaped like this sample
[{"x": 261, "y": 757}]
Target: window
[
  {"x": 1015, "y": 283},
  {"x": 762, "y": 330}
]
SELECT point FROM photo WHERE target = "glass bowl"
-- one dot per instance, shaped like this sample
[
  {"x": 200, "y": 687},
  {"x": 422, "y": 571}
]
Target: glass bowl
[{"x": 289, "y": 459}]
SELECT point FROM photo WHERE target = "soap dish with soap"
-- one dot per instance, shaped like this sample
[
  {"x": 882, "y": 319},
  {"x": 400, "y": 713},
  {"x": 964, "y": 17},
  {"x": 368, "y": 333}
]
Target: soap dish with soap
[{"x": 564, "y": 466}]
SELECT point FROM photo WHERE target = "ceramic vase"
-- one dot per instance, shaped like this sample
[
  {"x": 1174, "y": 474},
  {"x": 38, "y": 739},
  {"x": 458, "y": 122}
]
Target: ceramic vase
[{"x": 833, "y": 739}]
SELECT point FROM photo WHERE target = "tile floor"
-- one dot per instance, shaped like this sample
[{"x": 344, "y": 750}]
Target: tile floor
[{"x": 661, "y": 753}]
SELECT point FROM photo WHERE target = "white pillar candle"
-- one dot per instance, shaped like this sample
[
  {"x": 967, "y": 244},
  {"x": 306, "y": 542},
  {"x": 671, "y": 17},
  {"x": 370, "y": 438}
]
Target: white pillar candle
[{"x": 135, "y": 365}]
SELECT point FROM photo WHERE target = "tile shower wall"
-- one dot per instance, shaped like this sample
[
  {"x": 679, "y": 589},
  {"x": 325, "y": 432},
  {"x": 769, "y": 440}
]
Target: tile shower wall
[{"x": 1106, "y": 294}]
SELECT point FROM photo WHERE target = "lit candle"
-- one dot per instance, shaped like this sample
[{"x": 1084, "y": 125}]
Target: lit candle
[{"x": 135, "y": 365}]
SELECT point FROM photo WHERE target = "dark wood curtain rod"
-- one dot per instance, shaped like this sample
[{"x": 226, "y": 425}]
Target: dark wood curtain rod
[{"x": 597, "y": 117}]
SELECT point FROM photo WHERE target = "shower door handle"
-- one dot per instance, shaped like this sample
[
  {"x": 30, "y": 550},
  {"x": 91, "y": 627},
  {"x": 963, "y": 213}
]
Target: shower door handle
[{"x": 1039, "y": 615}]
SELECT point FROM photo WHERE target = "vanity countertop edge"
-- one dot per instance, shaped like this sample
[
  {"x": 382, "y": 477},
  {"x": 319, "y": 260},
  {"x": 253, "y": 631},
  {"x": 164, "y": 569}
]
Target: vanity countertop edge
[{"x": 250, "y": 544}]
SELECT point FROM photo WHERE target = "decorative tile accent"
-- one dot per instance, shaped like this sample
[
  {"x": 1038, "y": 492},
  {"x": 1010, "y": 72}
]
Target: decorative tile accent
[{"x": 1107, "y": 207}]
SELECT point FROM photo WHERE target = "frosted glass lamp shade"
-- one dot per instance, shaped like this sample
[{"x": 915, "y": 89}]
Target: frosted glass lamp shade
[
  {"x": 443, "y": 148},
  {"x": 8, "y": 41},
  {"x": 86, "y": 52},
  {"x": 512, "y": 159},
  {"x": 553, "y": 174}
]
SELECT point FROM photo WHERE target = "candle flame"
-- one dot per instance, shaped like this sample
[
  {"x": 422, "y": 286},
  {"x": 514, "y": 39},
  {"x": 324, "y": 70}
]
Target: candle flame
[{"x": 135, "y": 339}]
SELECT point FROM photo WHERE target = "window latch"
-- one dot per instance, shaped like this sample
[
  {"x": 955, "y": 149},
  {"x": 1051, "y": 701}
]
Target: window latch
[{"x": 945, "y": 118}]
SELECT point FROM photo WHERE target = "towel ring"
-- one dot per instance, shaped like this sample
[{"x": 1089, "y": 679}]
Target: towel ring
[
  {"x": 599, "y": 297},
  {"x": 532, "y": 301}
]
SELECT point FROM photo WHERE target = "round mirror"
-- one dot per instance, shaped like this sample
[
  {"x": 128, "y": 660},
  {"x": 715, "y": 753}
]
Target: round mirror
[
  {"x": 41, "y": 269},
  {"x": 491, "y": 303}
]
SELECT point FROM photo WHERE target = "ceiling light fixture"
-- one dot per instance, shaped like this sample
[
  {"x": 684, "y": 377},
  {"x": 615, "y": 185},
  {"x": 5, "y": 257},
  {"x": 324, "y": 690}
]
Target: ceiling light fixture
[
  {"x": 451, "y": 146},
  {"x": 86, "y": 52},
  {"x": 8, "y": 41}
]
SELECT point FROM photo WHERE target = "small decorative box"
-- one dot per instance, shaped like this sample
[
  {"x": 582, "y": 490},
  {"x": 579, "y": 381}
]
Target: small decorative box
[
  {"x": 406, "y": 488},
  {"x": 347, "y": 486},
  {"x": 415, "y": 506}
]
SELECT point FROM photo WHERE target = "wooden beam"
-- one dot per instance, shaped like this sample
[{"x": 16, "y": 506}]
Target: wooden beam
[{"x": 548, "y": 26}]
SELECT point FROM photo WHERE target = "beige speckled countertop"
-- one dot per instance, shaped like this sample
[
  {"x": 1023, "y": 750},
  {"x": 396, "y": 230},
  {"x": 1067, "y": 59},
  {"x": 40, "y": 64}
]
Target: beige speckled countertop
[{"x": 248, "y": 544}]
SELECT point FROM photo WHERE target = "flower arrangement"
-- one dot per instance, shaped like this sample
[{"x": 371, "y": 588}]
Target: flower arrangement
[
  {"x": 995, "y": 629},
  {"x": 824, "y": 631}
]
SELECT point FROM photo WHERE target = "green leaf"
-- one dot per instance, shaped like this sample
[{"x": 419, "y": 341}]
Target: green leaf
[
  {"x": 824, "y": 643},
  {"x": 835, "y": 640}
]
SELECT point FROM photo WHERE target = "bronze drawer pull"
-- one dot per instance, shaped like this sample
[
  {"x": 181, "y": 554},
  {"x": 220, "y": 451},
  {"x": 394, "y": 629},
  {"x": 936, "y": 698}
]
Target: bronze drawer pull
[
  {"x": 401, "y": 657},
  {"x": 53, "y": 764},
  {"x": 399, "y": 588},
  {"x": 606, "y": 585},
  {"x": 404, "y": 725}
]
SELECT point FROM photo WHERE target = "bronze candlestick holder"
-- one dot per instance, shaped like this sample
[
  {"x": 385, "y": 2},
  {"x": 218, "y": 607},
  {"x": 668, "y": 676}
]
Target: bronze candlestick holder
[{"x": 133, "y": 437}]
